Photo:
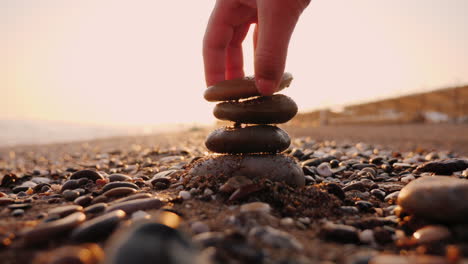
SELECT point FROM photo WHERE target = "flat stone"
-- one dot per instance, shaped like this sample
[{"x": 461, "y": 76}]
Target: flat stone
[
  {"x": 6, "y": 201},
  {"x": 340, "y": 233},
  {"x": 83, "y": 200},
  {"x": 70, "y": 185},
  {"x": 274, "y": 109},
  {"x": 112, "y": 185},
  {"x": 250, "y": 139},
  {"x": 150, "y": 243},
  {"x": 65, "y": 210},
  {"x": 431, "y": 234},
  {"x": 274, "y": 167},
  {"x": 119, "y": 177},
  {"x": 89, "y": 174},
  {"x": 239, "y": 88},
  {"x": 133, "y": 197},
  {"x": 438, "y": 198},
  {"x": 98, "y": 228},
  {"x": 70, "y": 195},
  {"x": 119, "y": 191},
  {"x": 96, "y": 208},
  {"x": 444, "y": 167},
  {"x": 135, "y": 205},
  {"x": 49, "y": 230}
]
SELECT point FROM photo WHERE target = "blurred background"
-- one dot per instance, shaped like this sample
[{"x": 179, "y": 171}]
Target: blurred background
[{"x": 72, "y": 70}]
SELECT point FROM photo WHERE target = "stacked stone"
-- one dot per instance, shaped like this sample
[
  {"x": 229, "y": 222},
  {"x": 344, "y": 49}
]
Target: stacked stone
[{"x": 253, "y": 143}]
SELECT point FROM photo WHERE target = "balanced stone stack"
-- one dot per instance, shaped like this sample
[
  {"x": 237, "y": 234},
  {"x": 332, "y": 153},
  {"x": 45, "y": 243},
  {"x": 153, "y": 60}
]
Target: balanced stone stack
[{"x": 251, "y": 146}]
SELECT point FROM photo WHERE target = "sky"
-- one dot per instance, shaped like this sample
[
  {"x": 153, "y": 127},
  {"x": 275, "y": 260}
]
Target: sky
[{"x": 139, "y": 61}]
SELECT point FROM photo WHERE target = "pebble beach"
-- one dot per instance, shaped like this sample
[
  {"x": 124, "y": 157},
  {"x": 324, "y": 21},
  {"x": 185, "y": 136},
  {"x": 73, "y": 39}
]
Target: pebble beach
[{"x": 132, "y": 200}]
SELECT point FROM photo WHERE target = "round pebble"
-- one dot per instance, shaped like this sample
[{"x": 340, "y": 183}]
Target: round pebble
[
  {"x": 239, "y": 88},
  {"x": 119, "y": 177},
  {"x": 70, "y": 195},
  {"x": 250, "y": 139},
  {"x": 274, "y": 109},
  {"x": 430, "y": 234},
  {"x": 119, "y": 191},
  {"x": 112, "y": 185},
  {"x": 438, "y": 198},
  {"x": 135, "y": 205}
]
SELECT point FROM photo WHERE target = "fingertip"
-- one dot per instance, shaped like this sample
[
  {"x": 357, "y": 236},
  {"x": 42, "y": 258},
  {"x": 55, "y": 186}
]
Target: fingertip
[{"x": 266, "y": 87}]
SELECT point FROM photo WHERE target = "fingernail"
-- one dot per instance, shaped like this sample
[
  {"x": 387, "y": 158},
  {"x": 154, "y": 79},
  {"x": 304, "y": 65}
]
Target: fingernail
[{"x": 266, "y": 87}]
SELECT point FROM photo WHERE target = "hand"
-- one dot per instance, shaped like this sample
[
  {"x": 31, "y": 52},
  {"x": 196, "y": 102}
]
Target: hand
[{"x": 227, "y": 28}]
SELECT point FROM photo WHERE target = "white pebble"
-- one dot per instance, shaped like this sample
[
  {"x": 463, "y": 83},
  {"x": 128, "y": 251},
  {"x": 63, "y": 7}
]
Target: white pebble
[
  {"x": 367, "y": 236},
  {"x": 287, "y": 221},
  {"x": 185, "y": 195},
  {"x": 199, "y": 227},
  {"x": 208, "y": 191},
  {"x": 407, "y": 178},
  {"x": 138, "y": 215}
]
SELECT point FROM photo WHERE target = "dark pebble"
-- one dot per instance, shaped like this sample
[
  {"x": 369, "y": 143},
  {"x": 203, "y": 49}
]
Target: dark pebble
[
  {"x": 65, "y": 210},
  {"x": 98, "y": 228},
  {"x": 6, "y": 201},
  {"x": 360, "y": 166},
  {"x": 133, "y": 197},
  {"x": 112, "y": 185},
  {"x": 96, "y": 208},
  {"x": 274, "y": 109},
  {"x": 250, "y": 139},
  {"x": 70, "y": 185},
  {"x": 317, "y": 161},
  {"x": 340, "y": 233},
  {"x": 83, "y": 200},
  {"x": 88, "y": 174},
  {"x": 70, "y": 195},
  {"x": 378, "y": 193},
  {"x": 365, "y": 206},
  {"x": 119, "y": 177},
  {"x": 47, "y": 231},
  {"x": 135, "y": 205},
  {"x": 445, "y": 167},
  {"x": 19, "y": 206},
  {"x": 20, "y": 189},
  {"x": 336, "y": 190},
  {"x": 149, "y": 243}
]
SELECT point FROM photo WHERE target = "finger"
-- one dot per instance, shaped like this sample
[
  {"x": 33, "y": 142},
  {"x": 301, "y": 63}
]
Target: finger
[
  {"x": 217, "y": 37},
  {"x": 234, "y": 56},
  {"x": 276, "y": 22},
  {"x": 255, "y": 37}
]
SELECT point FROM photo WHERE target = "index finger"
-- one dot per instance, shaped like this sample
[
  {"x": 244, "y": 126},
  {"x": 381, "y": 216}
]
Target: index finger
[{"x": 217, "y": 37}]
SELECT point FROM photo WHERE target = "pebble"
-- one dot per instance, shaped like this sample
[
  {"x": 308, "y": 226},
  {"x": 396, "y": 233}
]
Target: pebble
[
  {"x": 407, "y": 178},
  {"x": 140, "y": 215},
  {"x": 185, "y": 195},
  {"x": 112, "y": 185},
  {"x": 70, "y": 185},
  {"x": 119, "y": 177},
  {"x": 255, "y": 207},
  {"x": 392, "y": 196},
  {"x": 46, "y": 231},
  {"x": 438, "y": 198},
  {"x": 17, "y": 212},
  {"x": 133, "y": 197},
  {"x": 324, "y": 170},
  {"x": 83, "y": 254},
  {"x": 239, "y": 88},
  {"x": 235, "y": 183},
  {"x": 274, "y": 109},
  {"x": 367, "y": 236},
  {"x": 430, "y": 234},
  {"x": 340, "y": 233},
  {"x": 274, "y": 237},
  {"x": 70, "y": 195},
  {"x": 378, "y": 193},
  {"x": 273, "y": 167},
  {"x": 89, "y": 174},
  {"x": 83, "y": 200},
  {"x": 96, "y": 208},
  {"x": 412, "y": 259},
  {"x": 98, "y": 228},
  {"x": 135, "y": 205},
  {"x": 199, "y": 227},
  {"x": 148, "y": 243},
  {"x": 19, "y": 206},
  {"x": 6, "y": 201},
  {"x": 119, "y": 191},
  {"x": 249, "y": 139},
  {"x": 287, "y": 221},
  {"x": 445, "y": 167},
  {"x": 65, "y": 210}
]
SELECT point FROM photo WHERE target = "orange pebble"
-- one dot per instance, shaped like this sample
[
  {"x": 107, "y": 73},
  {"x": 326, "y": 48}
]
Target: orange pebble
[{"x": 101, "y": 182}]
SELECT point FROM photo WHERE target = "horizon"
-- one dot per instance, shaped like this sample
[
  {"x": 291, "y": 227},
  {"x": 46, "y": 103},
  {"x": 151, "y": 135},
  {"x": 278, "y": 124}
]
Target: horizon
[{"x": 80, "y": 62}]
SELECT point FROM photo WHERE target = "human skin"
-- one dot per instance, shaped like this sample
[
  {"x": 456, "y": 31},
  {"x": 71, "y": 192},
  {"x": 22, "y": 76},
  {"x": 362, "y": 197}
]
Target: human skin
[{"x": 227, "y": 27}]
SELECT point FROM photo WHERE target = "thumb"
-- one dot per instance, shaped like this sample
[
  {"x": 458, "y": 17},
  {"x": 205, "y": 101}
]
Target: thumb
[{"x": 276, "y": 22}]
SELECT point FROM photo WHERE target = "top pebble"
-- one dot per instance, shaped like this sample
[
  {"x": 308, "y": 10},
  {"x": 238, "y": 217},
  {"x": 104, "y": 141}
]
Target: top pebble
[{"x": 240, "y": 88}]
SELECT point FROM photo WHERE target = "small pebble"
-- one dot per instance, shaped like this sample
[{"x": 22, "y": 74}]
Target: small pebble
[
  {"x": 255, "y": 207},
  {"x": 185, "y": 195}
]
